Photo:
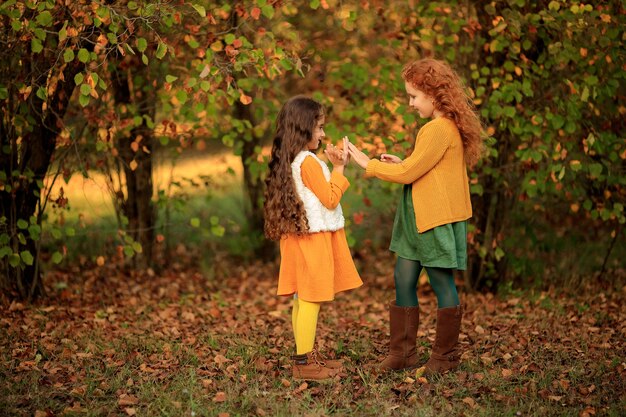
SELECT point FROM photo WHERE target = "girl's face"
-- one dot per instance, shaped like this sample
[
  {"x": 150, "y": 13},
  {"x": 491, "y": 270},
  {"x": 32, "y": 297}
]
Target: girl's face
[
  {"x": 420, "y": 101},
  {"x": 318, "y": 134}
]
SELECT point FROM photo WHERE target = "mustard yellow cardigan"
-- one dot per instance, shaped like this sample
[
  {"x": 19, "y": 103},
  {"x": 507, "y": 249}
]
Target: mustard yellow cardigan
[{"x": 437, "y": 170}]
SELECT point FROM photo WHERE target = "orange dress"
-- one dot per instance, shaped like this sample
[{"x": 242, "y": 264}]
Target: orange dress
[{"x": 318, "y": 265}]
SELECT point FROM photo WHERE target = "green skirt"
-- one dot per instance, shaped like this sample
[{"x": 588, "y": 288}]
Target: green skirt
[{"x": 444, "y": 246}]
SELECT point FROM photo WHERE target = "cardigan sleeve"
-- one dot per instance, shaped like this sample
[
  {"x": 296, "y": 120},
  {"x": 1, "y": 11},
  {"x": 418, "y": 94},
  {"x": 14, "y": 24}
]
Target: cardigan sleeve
[
  {"x": 328, "y": 192},
  {"x": 432, "y": 142}
]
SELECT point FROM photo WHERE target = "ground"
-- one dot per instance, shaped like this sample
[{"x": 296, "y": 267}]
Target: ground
[{"x": 217, "y": 342}]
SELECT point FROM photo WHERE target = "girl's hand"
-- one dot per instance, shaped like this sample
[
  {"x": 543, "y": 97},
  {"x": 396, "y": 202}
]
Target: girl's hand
[
  {"x": 335, "y": 155},
  {"x": 359, "y": 157},
  {"x": 345, "y": 152},
  {"x": 392, "y": 159}
]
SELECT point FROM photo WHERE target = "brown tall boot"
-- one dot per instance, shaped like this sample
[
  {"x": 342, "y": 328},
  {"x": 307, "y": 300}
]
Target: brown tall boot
[
  {"x": 403, "y": 322},
  {"x": 446, "y": 354}
]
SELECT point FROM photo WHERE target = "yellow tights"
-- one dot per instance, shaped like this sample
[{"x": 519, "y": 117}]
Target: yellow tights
[{"x": 304, "y": 321}]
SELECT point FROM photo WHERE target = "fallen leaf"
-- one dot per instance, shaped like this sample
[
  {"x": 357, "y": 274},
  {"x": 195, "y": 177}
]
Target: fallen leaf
[
  {"x": 470, "y": 401},
  {"x": 220, "y": 397},
  {"x": 126, "y": 399}
]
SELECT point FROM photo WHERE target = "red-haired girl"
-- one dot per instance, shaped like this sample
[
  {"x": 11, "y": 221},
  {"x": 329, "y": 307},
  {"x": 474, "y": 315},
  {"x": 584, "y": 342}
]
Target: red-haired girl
[
  {"x": 430, "y": 228},
  {"x": 302, "y": 211}
]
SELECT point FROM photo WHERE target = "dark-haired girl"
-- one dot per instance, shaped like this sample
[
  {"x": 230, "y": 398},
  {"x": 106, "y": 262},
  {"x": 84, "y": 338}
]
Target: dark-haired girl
[{"x": 303, "y": 213}]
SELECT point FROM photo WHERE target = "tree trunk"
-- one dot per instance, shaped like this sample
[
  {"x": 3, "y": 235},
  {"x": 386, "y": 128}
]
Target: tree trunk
[
  {"x": 31, "y": 159},
  {"x": 135, "y": 151},
  {"x": 253, "y": 187}
]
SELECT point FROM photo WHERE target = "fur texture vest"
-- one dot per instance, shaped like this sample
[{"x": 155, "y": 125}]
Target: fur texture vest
[{"x": 321, "y": 219}]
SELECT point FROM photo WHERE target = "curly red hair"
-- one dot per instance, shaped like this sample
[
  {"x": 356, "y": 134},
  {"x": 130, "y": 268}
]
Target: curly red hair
[{"x": 438, "y": 80}]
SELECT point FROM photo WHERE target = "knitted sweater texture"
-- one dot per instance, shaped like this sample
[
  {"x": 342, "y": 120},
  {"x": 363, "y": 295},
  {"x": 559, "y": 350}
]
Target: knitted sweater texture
[{"x": 437, "y": 170}]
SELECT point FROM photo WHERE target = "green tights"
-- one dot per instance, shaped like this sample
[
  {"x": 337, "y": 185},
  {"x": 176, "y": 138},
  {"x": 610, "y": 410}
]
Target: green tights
[{"x": 406, "y": 275}]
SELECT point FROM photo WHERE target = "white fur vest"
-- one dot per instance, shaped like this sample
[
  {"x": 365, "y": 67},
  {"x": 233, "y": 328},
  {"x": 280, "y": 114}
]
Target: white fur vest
[{"x": 320, "y": 218}]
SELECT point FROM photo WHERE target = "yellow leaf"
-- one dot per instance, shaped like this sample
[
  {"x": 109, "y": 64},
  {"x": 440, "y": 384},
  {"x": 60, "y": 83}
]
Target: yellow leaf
[
  {"x": 217, "y": 46},
  {"x": 133, "y": 165},
  {"x": 245, "y": 99}
]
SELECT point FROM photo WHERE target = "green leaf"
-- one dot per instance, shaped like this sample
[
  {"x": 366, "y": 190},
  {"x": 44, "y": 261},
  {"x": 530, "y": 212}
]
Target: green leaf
[
  {"x": 554, "y": 5},
  {"x": 41, "y": 93},
  {"x": 170, "y": 78},
  {"x": 5, "y": 251},
  {"x": 56, "y": 233},
  {"x": 44, "y": 18},
  {"x": 83, "y": 100},
  {"x": 83, "y": 55},
  {"x": 584, "y": 96},
  {"x": 36, "y": 46},
  {"x": 63, "y": 32},
  {"x": 142, "y": 44},
  {"x": 182, "y": 96},
  {"x": 218, "y": 231},
  {"x": 229, "y": 38},
  {"x": 128, "y": 251},
  {"x": 137, "y": 247},
  {"x": 22, "y": 224},
  {"x": 85, "y": 89},
  {"x": 595, "y": 170},
  {"x": 314, "y": 4},
  {"x": 161, "y": 50},
  {"x": 14, "y": 260},
  {"x": 268, "y": 11},
  {"x": 200, "y": 9},
  {"x": 144, "y": 59},
  {"x": 68, "y": 55},
  {"x": 57, "y": 257},
  {"x": 27, "y": 257},
  {"x": 195, "y": 222},
  {"x": 4, "y": 92}
]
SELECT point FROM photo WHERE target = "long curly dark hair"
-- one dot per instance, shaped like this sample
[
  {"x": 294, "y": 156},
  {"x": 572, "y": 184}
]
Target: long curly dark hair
[
  {"x": 283, "y": 209},
  {"x": 441, "y": 82}
]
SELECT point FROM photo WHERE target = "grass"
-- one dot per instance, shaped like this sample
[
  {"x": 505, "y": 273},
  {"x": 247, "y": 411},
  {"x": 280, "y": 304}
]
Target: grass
[
  {"x": 207, "y": 337},
  {"x": 181, "y": 344}
]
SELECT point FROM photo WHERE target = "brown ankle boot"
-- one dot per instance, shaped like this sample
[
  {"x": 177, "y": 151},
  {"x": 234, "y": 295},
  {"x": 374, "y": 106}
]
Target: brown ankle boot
[
  {"x": 446, "y": 354},
  {"x": 327, "y": 362},
  {"x": 403, "y": 322},
  {"x": 307, "y": 366}
]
